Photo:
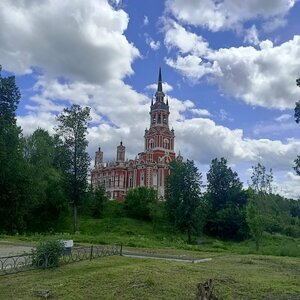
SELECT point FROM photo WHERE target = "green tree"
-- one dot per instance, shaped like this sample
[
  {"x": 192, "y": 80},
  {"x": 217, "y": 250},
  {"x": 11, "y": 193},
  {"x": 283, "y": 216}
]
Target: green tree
[
  {"x": 48, "y": 198},
  {"x": 95, "y": 202},
  {"x": 183, "y": 192},
  {"x": 261, "y": 181},
  {"x": 227, "y": 201},
  {"x": 255, "y": 220},
  {"x": 139, "y": 201},
  {"x": 72, "y": 131},
  {"x": 297, "y": 120},
  {"x": 14, "y": 181}
]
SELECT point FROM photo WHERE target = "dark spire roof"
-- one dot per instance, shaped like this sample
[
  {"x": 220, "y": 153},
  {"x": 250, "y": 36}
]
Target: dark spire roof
[
  {"x": 159, "y": 95},
  {"x": 159, "y": 85}
]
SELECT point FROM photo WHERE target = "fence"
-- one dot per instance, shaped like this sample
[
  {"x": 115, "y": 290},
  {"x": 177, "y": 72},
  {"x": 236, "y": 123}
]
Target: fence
[{"x": 28, "y": 261}]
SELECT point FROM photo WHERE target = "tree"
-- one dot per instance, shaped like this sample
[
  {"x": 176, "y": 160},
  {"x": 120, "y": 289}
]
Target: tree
[
  {"x": 139, "y": 201},
  {"x": 223, "y": 183},
  {"x": 95, "y": 201},
  {"x": 14, "y": 181},
  {"x": 297, "y": 120},
  {"x": 72, "y": 131},
  {"x": 48, "y": 198},
  {"x": 227, "y": 201},
  {"x": 261, "y": 181},
  {"x": 255, "y": 220},
  {"x": 183, "y": 195}
]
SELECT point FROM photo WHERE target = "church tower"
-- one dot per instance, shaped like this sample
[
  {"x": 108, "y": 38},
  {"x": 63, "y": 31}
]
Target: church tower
[
  {"x": 121, "y": 153},
  {"x": 159, "y": 136}
]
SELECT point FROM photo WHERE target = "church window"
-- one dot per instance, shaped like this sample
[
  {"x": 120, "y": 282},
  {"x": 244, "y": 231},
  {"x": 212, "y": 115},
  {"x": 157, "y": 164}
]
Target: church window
[
  {"x": 166, "y": 143},
  {"x": 159, "y": 119},
  {"x": 151, "y": 143},
  {"x": 164, "y": 119}
]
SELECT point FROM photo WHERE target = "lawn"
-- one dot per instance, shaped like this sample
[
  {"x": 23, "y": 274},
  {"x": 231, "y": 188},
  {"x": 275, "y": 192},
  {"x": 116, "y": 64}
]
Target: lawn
[{"x": 235, "y": 277}]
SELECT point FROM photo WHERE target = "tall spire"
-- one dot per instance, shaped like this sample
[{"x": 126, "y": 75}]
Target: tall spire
[
  {"x": 159, "y": 95},
  {"x": 159, "y": 85}
]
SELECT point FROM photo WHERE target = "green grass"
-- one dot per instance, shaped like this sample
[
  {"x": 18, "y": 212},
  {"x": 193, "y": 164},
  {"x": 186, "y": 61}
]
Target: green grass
[
  {"x": 137, "y": 233},
  {"x": 234, "y": 276}
]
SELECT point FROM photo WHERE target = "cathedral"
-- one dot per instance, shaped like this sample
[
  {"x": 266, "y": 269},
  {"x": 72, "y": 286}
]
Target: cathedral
[{"x": 151, "y": 167}]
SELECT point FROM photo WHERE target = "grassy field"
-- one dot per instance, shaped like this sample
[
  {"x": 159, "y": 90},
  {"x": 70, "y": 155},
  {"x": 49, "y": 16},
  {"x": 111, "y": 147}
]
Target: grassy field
[
  {"x": 234, "y": 276},
  {"x": 237, "y": 269},
  {"x": 136, "y": 233}
]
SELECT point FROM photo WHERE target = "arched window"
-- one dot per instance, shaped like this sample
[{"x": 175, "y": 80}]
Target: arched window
[
  {"x": 166, "y": 143},
  {"x": 164, "y": 119},
  {"x": 151, "y": 143}
]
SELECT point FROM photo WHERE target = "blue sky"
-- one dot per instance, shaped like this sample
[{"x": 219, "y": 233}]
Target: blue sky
[{"x": 229, "y": 71}]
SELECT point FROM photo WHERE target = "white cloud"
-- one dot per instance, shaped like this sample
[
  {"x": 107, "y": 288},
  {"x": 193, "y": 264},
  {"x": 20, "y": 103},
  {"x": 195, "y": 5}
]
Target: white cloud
[
  {"x": 186, "y": 42},
  {"x": 80, "y": 40},
  {"x": 166, "y": 87},
  {"x": 228, "y": 14},
  {"x": 201, "y": 112},
  {"x": 153, "y": 45},
  {"x": 283, "y": 118},
  {"x": 146, "y": 20},
  {"x": 263, "y": 77},
  {"x": 251, "y": 35}
]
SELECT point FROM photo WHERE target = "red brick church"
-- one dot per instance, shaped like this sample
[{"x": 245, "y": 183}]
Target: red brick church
[{"x": 151, "y": 167}]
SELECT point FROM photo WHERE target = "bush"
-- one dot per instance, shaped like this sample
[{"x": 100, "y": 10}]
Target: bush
[
  {"x": 138, "y": 202},
  {"x": 47, "y": 254}
]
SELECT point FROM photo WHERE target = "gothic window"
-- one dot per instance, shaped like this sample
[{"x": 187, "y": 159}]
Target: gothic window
[
  {"x": 151, "y": 143},
  {"x": 164, "y": 119},
  {"x": 130, "y": 181},
  {"x": 166, "y": 143},
  {"x": 159, "y": 119},
  {"x": 153, "y": 120}
]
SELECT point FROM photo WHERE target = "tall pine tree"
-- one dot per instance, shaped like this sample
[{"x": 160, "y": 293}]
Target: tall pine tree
[{"x": 14, "y": 180}]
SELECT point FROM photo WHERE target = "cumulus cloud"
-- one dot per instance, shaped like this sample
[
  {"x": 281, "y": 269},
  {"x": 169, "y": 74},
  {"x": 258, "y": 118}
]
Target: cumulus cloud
[
  {"x": 263, "y": 77},
  {"x": 228, "y": 14},
  {"x": 186, "y": 42},
  {"x": 81, "y": 40}
]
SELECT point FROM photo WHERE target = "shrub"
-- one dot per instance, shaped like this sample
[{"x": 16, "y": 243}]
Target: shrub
[{"x": 47, "y": 254}]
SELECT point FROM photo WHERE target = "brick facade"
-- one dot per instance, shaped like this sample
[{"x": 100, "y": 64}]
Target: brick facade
[{"x": 151, "y": 167}]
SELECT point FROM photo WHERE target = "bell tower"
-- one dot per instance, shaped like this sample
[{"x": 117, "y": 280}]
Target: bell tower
[{"x": 159, "y": 136}]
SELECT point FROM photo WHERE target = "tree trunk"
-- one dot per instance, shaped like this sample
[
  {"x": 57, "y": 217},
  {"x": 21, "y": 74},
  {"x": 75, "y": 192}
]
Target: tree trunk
[{"x": 74, "y": 217}]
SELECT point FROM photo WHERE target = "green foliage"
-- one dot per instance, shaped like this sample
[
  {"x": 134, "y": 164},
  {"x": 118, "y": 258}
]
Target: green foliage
[
  {"x": 183, "y": 195},
  {"x": 48, "y": 253},
  {"x": 48, "y": 197},
  {"x": 72, "y": 131},
  {"x": 261, "y": 181},
  {"x": 255, "y": 220},
  {"x": 95, "y": 201},
  {"x": 226, "y": 218},
  {"x": 14, "y": 179},
  {"x": 139, "y": 201}
]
